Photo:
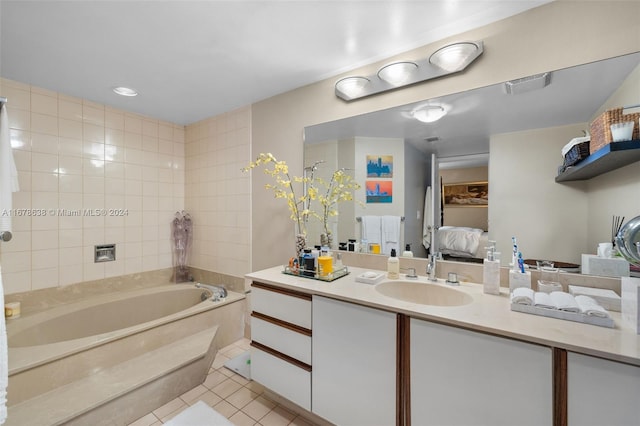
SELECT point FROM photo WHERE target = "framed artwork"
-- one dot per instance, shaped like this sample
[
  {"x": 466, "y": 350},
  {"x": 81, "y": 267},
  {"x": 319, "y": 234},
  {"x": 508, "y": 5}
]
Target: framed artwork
[
  {"x": 468, "y": 194},
  {"x": 379, "y": 191},
  {"x": 380, "y": 166}
]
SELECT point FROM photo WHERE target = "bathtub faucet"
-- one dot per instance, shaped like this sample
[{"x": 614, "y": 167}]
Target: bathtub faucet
[{"x": 218, "y": 291}]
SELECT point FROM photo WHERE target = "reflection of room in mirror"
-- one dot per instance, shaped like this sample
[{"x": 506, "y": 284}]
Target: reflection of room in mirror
[{"x": 518, "y": 139}]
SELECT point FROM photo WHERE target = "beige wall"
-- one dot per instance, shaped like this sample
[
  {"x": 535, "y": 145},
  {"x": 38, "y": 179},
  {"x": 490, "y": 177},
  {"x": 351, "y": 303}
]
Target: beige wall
[
  {"x": 73, "y": 154},
  {"x": 549, "y": 219},
  {"x": 217, "y": 192},
  {"x": 535, "y": 41},
  {"x": 614, "y": 193}
]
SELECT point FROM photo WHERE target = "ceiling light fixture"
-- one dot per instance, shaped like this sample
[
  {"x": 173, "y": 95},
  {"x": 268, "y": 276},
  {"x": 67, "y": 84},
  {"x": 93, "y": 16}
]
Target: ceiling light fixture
[
  {"x": 527, "y": 84},
  {"x": 125, "y": 91},
  {"x": 447, "y": 60},
  {"x": 397, "y": 73},
  {"x": 429, "y": 113}
]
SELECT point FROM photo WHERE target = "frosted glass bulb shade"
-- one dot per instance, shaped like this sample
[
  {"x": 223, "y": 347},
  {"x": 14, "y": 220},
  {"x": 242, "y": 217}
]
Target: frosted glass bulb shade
[
  {"x": 454, "y": 57},
  {"x": 352, "y": 86},
  {"x": 428, "y": 114},
  {"x": 125, "y": 91},
  {"x": 397, "y": 73}
]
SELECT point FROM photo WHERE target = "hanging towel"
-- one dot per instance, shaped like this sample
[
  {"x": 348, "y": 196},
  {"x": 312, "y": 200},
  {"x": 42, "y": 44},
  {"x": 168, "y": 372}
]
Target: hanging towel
[
  {"x": 8, "y": 172},
  {"x": 427, "y": 219},
  {"x": 4, "y": 360},
  {"x": 372, "y": 229},
  {"x": 390, "y": 234}
]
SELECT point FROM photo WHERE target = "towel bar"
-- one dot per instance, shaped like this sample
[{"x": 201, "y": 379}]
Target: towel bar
[{"x": 359, "y": 218}]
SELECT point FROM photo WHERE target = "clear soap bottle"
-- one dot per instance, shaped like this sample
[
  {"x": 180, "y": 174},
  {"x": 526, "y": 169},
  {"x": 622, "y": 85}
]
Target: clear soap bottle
[
  {"x": 491, "y": 270},
  {"x": 393, "y": 266}
]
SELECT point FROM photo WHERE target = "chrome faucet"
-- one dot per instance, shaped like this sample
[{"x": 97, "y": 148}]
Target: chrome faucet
[
  {"x": 218, "y": 291},
  {"x": 431, "y": 267}
]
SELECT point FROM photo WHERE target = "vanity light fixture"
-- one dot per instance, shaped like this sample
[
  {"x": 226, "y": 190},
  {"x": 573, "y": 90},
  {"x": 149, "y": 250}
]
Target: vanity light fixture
[
  {"x": 528, "y": 84},
  {"x": 447, "y": 60},
  {"x": 397, "y": 73},
  {"x": 124, "y": 91},
  {"x": 428, "y": 113}
]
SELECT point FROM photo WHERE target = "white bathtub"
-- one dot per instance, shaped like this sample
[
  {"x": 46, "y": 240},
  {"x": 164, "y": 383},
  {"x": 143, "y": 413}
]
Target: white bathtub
[{"x": 65, "y": 344}]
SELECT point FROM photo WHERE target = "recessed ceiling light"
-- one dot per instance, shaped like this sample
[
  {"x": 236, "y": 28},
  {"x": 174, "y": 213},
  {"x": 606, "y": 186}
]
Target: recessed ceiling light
[{"x": 125, "y": 91}]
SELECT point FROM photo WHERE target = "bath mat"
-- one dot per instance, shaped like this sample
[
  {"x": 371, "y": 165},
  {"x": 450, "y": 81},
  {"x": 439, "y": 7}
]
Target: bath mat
[
  {"x": 241, "y": 364},
  {"x": 199, "y": 414}
]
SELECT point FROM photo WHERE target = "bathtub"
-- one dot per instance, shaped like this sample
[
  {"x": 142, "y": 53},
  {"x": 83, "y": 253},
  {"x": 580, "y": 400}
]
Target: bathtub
[{"x": 66, "y": 344}]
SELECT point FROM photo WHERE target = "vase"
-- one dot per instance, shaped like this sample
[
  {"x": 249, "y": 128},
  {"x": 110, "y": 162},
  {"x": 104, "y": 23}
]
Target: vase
[
  {"x": 301, "y": 243},
  {"x": 326, "y": 240}
]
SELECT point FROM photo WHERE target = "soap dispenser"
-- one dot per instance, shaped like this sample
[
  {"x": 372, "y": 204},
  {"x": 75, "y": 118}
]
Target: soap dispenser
[
  {"x": 407, "y": 251},
  {"x": 393, "y": 266},
  {"x": 491, "y": 270}
]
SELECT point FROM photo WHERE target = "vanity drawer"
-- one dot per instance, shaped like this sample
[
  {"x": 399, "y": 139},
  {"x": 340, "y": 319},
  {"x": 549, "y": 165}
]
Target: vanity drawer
[
  {"x": 288, "y": 340},
  {"x": 282, "y": 377},
  {"x": 291, "y": 307}
]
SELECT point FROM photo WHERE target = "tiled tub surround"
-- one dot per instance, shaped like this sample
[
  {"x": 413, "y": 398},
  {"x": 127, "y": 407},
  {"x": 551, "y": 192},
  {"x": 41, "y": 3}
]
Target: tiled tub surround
[
  {"x": 161, "y": 357},
  {"x": 473, "y": 341},
  {"x": 73, "y": 154}
]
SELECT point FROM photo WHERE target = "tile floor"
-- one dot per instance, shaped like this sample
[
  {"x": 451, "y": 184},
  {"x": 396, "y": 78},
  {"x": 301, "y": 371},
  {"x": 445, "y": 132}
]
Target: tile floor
[{"x": 231, "y": 395}]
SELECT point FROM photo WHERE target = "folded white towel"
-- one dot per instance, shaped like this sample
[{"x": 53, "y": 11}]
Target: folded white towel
[
  {"x": 372, "y": 229},
  {"x": 522, "y": 296},
  {"x": 390, "y": 226},
  {"x": 589, "y": 306},
  {"x": 564, "y": 301},
  {"x": 543, "y": 300}
]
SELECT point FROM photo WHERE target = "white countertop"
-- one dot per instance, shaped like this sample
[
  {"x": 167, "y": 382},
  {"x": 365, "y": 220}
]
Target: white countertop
[{"x": 487, "y": 313}]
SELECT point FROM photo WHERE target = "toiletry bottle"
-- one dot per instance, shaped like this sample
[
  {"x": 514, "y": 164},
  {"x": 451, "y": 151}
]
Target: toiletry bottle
[
  {"x": 393, "y": 266},
  {"x": 308, "y": 264},
  {"x": 325, "y": 264},
  {"x": 491, "y": 270},
  {"x": 407, "y": 251},
  {"x": 337, "y": 263}
]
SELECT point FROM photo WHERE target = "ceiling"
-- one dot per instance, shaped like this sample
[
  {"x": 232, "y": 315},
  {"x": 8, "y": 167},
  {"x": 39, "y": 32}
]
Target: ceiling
[
  {"x": 191, "y": 60},
  {"x": 574, "y": 95}
]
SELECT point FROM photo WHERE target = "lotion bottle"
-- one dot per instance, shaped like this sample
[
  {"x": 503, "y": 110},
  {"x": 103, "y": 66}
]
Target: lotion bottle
[
  {"x": 407, "y": 251},
  {"x": 393, "y": 266},
  {"x": 491, "y": 270}
]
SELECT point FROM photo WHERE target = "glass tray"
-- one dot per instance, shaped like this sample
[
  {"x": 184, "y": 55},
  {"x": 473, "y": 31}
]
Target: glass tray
[{"x": 303, "y": 273}]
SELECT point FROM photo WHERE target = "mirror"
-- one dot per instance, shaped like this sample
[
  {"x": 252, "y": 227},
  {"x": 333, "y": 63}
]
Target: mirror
[{"x": 475, "y": 120}]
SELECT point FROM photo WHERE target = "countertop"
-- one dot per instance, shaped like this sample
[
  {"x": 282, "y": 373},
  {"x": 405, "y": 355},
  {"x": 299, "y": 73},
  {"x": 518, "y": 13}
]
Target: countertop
[{"x": 487, "y": 313}]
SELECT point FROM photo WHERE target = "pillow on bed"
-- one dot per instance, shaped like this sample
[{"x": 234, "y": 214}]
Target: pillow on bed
[{"x": 459, "y": 241}]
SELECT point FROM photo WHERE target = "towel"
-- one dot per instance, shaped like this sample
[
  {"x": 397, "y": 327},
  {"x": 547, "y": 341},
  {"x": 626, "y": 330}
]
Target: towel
[
  {"x": 522, "y": 296},
  {"x": 372, "y": 229},
  {"x": 8, "y": 172},
  {"x": 589, "y": 306},
  {"x": 427, "y": 219},
  {"x": 4, "y": 360},
  {"x": 390, "y": 234},
  {"x": 564, "y": 301},
  {"x": 543, "y": 300}
]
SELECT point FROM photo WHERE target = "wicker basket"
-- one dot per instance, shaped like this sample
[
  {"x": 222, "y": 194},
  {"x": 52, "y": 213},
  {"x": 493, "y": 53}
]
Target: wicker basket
[
  {"x": 576, "y": 154},
  {"x": 601, "y": 127}
]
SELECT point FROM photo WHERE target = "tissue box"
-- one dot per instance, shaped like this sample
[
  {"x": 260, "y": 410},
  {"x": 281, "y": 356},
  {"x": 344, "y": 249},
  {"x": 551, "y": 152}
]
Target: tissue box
[
  {"x": 604, "y": 266},
  {"x": 608, "y": 299},
  {"x": 631, "y": 303}
]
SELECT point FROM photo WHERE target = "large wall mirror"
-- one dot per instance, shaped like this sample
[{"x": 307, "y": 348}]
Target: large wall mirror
[{"x": 504, "y": 139}]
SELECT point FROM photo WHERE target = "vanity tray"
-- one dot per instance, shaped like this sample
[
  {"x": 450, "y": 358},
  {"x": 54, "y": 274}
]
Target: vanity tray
[
  {"x": 303, "y": 273},
  {"x": 564, "y": 315}
]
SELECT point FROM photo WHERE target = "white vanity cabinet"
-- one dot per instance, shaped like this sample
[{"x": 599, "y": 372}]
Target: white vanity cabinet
[
  {"x": 354, "y": 363},
  {"x": 461, "y": 377},
  {"x": 602, "y": 392},
  {"x": 281, "y": 342}
]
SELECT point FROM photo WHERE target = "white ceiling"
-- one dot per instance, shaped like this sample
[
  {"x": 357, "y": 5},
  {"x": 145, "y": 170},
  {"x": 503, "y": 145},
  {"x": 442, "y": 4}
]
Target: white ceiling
[{"x": 190, "y": 60}]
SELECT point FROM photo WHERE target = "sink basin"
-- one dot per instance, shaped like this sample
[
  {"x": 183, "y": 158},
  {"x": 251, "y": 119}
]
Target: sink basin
[{"x": 423, "y": 293}]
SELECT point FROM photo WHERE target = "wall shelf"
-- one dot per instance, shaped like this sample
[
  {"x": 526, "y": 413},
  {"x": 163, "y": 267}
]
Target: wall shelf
[{"x": 610, "y": 157}]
